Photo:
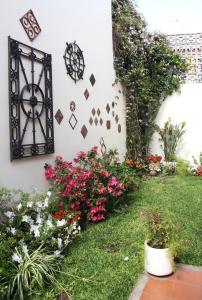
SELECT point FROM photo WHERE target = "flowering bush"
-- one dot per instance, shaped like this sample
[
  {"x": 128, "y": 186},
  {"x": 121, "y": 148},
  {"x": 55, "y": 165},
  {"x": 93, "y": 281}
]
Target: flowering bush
[
  {"x": 196, "y": 169},
  {"x": 89, "y": 187},
  {"x": 27, "y": 226},
  {"x": 154, "y": 158},
  {"x": 154, "y": 165}
]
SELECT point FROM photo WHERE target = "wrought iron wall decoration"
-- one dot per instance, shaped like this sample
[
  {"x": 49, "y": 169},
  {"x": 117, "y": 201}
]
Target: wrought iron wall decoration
[
  {"x": 30, "y": 101},
  {"x": 30, "y": 25},
  {"x": 103, "y": 146},
  {"x": 74, "y": 61}
]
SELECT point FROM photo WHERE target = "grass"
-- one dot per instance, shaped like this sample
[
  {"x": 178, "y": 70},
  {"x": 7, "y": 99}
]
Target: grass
[{"x": 95, "y": 267}]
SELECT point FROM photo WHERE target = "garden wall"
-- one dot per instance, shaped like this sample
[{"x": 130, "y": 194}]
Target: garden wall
[
  {"x": 185, "y": 106},
  {"x": 101, "y": 115}
]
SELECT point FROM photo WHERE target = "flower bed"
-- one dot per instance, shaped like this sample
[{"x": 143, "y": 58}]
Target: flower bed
[{"x": 90, "y": 187}]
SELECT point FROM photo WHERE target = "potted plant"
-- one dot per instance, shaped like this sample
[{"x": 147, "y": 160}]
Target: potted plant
[{"x": 160, "y": 246}]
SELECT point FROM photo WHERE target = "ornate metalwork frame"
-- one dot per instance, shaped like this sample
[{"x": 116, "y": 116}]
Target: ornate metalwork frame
[
  {"x": 74, "y": 61},
  {"x": 24, "y": 110}
]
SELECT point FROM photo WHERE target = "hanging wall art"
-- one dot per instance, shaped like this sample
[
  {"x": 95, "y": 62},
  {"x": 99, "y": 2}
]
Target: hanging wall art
[
  {"x": 30, "y": 25},
  {"x": 30, "y": 101},
  {"x": 74, "y": 61}
]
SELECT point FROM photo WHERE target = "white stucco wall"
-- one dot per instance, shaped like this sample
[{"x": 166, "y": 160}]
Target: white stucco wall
[
  {"x": 89, "y": 24},
  {"x": 184, "y": 106}
]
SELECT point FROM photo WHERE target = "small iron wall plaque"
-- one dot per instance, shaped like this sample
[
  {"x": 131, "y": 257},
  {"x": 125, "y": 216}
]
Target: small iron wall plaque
[
  {"x": 30, "y": 25},
  {"x": 74, "y": 61},
  {"x": 30, "y": 101}
]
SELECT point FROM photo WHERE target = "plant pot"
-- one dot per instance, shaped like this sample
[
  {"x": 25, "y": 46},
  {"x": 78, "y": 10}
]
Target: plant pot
[{"x": 158, "y": 262}]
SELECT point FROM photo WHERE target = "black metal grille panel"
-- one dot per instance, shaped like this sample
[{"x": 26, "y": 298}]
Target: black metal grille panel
[{"x": 30, "y": 101}]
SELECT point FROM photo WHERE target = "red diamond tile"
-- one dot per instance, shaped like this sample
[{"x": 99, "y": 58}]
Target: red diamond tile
[
  {"x": 92, "y": 79},
  {"x": 91, "y": 121},
  {"x": 119, "y": 128},
  {"x": 96, "y": 121},
  {"x": 101, "y": 121},
  {"x": 84, "y": 131},
  {"x": 116, "y": 118},
  {"x": 98, "y": 112},
  {"x": 108, "y": 124},
  {"x": 108, "y": 108},
  {"x": 59, "y": 116},
  {"x": 93, "y": 111},
  {"x": 86, "y": 94}
]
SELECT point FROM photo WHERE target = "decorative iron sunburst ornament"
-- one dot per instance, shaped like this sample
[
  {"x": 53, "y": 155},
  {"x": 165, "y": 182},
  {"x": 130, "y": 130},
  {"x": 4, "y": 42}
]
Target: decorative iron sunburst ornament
[{"x": 74, "y": 61}]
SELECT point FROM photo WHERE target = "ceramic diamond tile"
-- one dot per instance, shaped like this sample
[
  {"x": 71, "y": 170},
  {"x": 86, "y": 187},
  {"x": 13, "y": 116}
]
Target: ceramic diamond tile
[
  {"x": 30, "y": 25},
  {"x": 113, "y": 104},
  {"x": 72, "y": 106},
  {"x": 73, "y": 121},
  {"x": 108, "y": 108},
  {"x": 116, "y": 118},
  {"x": 84, "y": 131},
  {"x": 59, "y": 116},
  {"x": 108, "y": 124},
  {"x": 119, "y": 128},
  {"x": 91, "y": 121},
  {"x": 92, "y": 79},
  {"x": 86, "y": 94},
  {"x": 96, "y": 121},
  {"x": 101, "y": 121},
  {"x": 93, "y": 111},
  {"x": 98, "y": 112},
  {"x": 113, "y": 114}
]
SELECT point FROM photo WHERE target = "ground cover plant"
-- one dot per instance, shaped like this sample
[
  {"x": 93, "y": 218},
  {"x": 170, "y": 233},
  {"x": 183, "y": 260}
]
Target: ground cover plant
[
  {"x": 108, "y": 257},
  {"x": 31, "y": 243}
]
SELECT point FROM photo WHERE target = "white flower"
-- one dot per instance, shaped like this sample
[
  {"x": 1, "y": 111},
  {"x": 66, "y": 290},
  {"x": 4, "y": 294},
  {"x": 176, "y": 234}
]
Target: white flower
[
  {"x": 13, "y": 230},
  {"x": 49, "y": 223},
  {"x": 29, "y": 204},
  {"x": 61, "y": 223},
  {"x": 36, "y": 230},
  {"x": 27, "y": 219},
  {"x": 49, "y": 194},
  {"x": 79, "y": 228},
  {"x": 17, "y": 258},
  {"x": 19, "y": 206},
  {"x": 39, "y": 204},
  {"x": 39, "y": 219},
  {"x": 59, "y": 243},
  {"x": 126, "y": 258},
  {"x": 25, "y": 249},
  {"x": 57, "y": 252},
  {"x": 45, "y": 204},
  {"x": 9, "y": 214}
]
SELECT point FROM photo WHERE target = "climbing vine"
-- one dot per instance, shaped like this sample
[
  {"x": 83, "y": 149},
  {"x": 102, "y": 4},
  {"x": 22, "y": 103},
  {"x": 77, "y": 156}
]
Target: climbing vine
[{"x": 148, "y": 69}]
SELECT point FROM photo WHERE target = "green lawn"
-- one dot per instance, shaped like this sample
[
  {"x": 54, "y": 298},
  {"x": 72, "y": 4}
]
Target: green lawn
[{"x": 98, "y": 254}]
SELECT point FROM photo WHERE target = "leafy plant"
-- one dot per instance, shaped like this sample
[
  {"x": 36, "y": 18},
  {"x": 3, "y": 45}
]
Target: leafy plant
[
  {"x": 161, "y": 229},
  {"x": 32, "y": 271},
  {"x": 148, "y": 70},
  {"x": 170, "y": 136},
  {"x": 26, "y": 226}
]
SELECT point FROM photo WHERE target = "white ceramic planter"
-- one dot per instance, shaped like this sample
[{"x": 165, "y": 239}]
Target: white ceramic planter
[{"x": 158, "y": 262}]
